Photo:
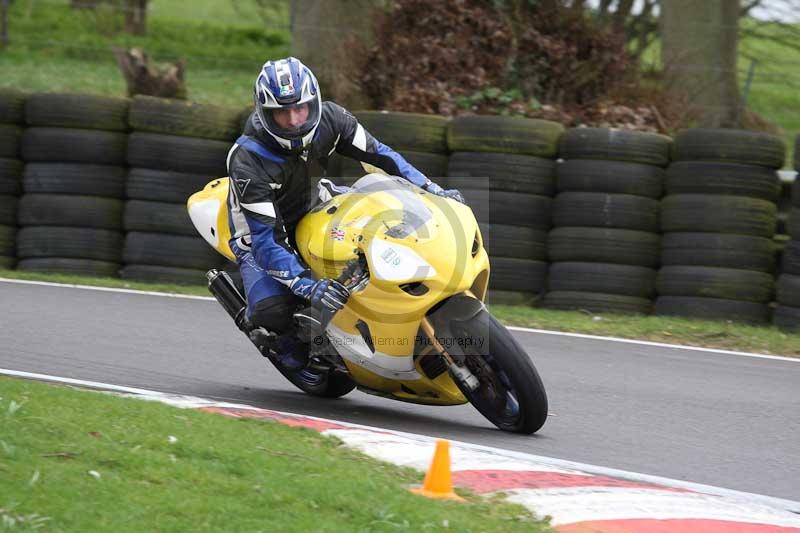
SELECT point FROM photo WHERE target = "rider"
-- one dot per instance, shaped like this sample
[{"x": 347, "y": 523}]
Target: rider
[{"x": 271, "y": 191}]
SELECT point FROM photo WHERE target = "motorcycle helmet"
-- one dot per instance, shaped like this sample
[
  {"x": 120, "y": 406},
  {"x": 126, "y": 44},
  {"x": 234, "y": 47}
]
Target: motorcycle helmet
[{"x": 284, "y": 90}]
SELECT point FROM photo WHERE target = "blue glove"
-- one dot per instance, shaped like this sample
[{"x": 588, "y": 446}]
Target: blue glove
[
  {"x": 324, "y": 294},
  {"x": 452, "y": 194}
]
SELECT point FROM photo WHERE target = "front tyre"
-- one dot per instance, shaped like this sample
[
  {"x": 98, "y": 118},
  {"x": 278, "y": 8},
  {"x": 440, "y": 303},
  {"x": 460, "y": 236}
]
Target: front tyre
[{"x": 511, "y": 394}]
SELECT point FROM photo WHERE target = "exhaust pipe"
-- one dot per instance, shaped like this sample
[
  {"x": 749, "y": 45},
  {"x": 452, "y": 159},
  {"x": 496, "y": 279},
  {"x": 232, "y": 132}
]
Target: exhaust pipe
[{"x": 221, "y": 286}]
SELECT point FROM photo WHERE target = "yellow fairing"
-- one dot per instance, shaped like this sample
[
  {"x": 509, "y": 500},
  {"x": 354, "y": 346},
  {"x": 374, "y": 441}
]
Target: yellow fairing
[
  {"x": 208, "y": 210},
  {"x": 414, "y": 263},
  {"x": 410, "y": 271}
]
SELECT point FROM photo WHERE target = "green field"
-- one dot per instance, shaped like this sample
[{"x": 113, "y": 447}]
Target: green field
[
  {"x": 53, "y": 47},
  {"x": 83, "y": 461},
  {"x": 774, "y": 91}
]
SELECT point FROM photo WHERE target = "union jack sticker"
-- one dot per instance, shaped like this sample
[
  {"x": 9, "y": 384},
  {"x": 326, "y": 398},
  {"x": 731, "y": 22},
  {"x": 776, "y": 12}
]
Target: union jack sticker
[{"x": 337, "y": 234}]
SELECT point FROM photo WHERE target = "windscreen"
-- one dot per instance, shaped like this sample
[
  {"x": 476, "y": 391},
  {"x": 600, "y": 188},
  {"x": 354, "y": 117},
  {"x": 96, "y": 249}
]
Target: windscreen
[{"x": 412, "y": 214}]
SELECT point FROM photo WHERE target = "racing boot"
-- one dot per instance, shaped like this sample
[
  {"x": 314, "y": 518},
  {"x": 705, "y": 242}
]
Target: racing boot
[
  {"x": 286, "y": 351},
  {"x": 263, "y": 340}
]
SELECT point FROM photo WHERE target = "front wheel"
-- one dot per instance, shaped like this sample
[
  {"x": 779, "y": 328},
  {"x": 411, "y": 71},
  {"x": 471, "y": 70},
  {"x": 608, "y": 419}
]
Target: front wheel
[{"x": 511, "y": 394}]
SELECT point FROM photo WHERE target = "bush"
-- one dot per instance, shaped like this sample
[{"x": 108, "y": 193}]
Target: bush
[
  {"x": 502, "y": 57},
  {"x": 450, "y": 48}
]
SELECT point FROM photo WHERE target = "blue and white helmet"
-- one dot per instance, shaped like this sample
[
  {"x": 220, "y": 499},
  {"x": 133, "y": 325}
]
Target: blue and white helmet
[{"x": 282, "y": 85}]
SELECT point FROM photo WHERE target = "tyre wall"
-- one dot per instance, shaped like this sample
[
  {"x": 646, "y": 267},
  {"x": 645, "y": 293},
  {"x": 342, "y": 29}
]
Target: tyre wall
[
  {"x": 604, "y": 244},
  {"x": 586, "y": 219},
  {"x": 505, "y": 168},
  {"x": 787, "y": 311},
  {"x": 174, "y": 149},
  {"x": 12, "y": 116},
  {"x": 70, "y": 212},
  {"x": 718, "y": 221},
  {"x": 420, "y": 139}
]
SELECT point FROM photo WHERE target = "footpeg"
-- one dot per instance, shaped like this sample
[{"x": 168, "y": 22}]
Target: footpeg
[{"x": 264, "y": 341}]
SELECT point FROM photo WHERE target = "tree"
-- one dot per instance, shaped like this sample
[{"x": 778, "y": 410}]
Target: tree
[
  {"x": 135, "y": 16},
  {"x": 637, "y": 20},
  {"x": 640, "y": 26},
  {"x": 698, "y": 51},
  {"x": 324, "y": 34}
]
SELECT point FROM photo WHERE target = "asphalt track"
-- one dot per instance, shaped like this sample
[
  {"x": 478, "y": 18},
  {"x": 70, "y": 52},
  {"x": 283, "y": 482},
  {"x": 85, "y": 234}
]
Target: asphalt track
[{"x": 699, "y": 416}]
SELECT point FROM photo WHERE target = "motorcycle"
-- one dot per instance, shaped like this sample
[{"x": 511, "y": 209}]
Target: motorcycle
[{"x": 415, "y": 328}]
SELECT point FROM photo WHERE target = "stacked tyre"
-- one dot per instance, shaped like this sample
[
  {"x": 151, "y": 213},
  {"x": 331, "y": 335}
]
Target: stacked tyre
[
  {"x": 420, "y": 139},
  {"x": 787, "y": 313},
  {"x": 718, "y": 220},
  {"x": 175, "y": 148},
  {"x": 504, "y": 167},
  {"x": 12, "y": 116},
  {"x": 604, "y": 244},
  {"x": 784, "y": 202},
  {"x": 71, "y": 211}
]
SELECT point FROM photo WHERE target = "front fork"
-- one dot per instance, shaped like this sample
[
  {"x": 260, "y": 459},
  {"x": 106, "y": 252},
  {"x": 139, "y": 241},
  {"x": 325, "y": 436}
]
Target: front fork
[{"x": 459, "y": 372}]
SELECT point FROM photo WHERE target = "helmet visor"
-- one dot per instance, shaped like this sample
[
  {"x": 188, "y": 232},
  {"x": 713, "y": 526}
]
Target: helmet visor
[{"x": 291, "y": 121}]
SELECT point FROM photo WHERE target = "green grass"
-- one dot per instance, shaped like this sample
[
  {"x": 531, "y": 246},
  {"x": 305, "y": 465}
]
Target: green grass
[
  {"x": 274, "y": 16},
  {"x": 703, "y": 333},
  {"x": 56, "y": 48},
  {"x": 710, "y": 334},
  {"x": 83, "y": 461},
  {"x": 775, "y": 91}
]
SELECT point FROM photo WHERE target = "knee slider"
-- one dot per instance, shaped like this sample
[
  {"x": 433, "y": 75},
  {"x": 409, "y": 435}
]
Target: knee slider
[{"x": 273, "y": 314}]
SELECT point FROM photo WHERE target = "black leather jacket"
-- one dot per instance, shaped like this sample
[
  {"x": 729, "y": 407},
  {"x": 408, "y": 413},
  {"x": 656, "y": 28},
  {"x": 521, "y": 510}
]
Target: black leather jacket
[{"x": 271, "y": 189}]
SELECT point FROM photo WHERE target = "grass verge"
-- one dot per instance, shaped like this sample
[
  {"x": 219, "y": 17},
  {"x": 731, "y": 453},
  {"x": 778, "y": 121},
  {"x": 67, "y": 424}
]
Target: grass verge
[
  {"x": 672, "y": 330},
  {"x": 78, "y": 461},
  {"x": 55, "y": 48},
  {"x": 709, "y": 334}
]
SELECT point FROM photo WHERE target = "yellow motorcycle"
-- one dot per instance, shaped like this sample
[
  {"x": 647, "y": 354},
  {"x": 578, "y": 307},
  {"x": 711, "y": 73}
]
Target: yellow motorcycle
[{"x": 415, "y": 328}]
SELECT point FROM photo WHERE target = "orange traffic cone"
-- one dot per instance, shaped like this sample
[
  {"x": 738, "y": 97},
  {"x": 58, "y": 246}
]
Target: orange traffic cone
[{"x": 438, "y": 483}]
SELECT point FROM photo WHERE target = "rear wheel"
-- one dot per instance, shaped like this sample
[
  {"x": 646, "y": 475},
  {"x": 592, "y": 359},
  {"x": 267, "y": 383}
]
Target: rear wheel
[{"x": 511, "y": 394}]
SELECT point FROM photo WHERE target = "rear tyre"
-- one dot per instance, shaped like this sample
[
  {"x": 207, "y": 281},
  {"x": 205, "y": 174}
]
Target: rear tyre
[{"x": 511, "y": 394}]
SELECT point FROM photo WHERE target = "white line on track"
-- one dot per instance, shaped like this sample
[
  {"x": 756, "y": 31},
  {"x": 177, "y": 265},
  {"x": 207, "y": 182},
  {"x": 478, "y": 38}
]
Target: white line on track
[
  {"x": 654, "y": 344},
  {"x": 106, "y": 289},
  {"x": 189, "y": 401},
  {"x": 512, "y": 328}
]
